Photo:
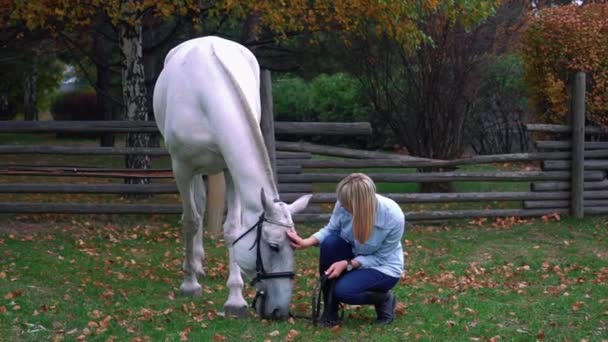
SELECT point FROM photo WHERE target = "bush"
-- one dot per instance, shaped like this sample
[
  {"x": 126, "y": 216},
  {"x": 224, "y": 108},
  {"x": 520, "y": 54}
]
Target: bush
[
  {"x": 76, "y": 106},
  {"x": 559, "y": 42},
  {"x": 328, "y": 98},
  {"x": 500, "y": 108}
]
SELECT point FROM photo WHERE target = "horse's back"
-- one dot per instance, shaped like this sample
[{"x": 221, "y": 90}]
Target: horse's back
[{"x": 194, "y": 85}]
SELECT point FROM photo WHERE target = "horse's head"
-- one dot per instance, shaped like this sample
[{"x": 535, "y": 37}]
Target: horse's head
[{"x": 272, "y": 264}]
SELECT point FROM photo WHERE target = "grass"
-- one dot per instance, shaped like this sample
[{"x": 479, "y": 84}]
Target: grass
[{"x": 105, "y": 278}]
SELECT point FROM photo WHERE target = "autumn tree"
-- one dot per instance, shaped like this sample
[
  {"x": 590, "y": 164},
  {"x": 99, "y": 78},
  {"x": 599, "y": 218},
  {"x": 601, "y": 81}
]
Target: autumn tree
[
  {"x": 126, "y": 16},
  {"x": 559, "y": 42}
]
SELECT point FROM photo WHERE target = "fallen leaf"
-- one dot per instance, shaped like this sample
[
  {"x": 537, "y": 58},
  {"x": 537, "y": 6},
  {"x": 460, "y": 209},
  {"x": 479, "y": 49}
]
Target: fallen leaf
[
  {"x": 540, "y": 335},
  {"x": 495, "y": 338},
  {"x": 291, "y": 335},
  {"x": 183, "y": 335},
  {"x": 274, "y": 333},
  {"x": 400, "y": 309},
  {"x": 13, "y": 295},
  {"x": 577, "y": 306},
  {"x": 336, "y": 329},
  {"x": 218, "y": 337}
]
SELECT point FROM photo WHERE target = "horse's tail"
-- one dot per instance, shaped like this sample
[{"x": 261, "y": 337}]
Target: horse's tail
[{"x": 227, "y": 62}]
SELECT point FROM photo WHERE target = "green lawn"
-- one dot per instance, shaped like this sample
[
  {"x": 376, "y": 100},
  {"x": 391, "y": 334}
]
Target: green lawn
[{"x": 104, "y": 278}]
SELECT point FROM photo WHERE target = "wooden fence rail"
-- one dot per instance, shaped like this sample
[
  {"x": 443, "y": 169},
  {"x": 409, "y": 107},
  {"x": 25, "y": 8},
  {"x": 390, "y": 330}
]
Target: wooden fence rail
[
  {"x": 290, "y": 128},
  {"x": 573, "y": 176}
]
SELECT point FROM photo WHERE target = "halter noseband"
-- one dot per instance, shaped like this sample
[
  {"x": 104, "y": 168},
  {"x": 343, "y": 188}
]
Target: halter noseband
[{"x": 259, "y": 265}]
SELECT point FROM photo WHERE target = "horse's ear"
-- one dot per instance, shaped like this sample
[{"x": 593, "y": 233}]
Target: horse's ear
[
  {"x": 264, "y": 199},
  {"x": 299, "y": 204}
]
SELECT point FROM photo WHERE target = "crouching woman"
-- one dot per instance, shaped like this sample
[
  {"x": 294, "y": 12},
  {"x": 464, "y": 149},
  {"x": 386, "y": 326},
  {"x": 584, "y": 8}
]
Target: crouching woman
[{"x": 360, "y": 250}]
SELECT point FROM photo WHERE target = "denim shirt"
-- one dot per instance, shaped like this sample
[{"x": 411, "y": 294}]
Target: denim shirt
[{"x": 383, "y": 251}]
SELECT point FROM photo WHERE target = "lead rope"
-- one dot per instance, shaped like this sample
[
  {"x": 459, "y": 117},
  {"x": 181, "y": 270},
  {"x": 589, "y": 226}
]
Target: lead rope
[{"x": 317, "y": 303}]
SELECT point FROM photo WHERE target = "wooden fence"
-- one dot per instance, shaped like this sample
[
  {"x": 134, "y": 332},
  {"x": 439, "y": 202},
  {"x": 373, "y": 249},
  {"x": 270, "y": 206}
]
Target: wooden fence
[{"x": 572, "y": 177}]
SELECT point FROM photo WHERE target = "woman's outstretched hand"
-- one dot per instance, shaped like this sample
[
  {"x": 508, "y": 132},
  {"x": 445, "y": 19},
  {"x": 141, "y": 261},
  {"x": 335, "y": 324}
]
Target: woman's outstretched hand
[
  {"x": 336, "y": 269},
  {"x": 298, "y": 243}
]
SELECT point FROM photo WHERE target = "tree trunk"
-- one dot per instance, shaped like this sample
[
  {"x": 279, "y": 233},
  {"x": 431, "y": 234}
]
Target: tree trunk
[
  {"x": 134, "y": 93},
  {"x": 30, "y": 109},
  {"x": 104, "y": 48},
  {"x": 5, "y": 108}
]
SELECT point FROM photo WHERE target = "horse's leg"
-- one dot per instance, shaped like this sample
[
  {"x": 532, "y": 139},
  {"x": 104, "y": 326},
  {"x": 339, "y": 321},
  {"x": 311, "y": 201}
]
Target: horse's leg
[
  {"x": 191, "y": 222},
  {"x": 200, "y": 200},
  {"x": 236, "y": 304}
]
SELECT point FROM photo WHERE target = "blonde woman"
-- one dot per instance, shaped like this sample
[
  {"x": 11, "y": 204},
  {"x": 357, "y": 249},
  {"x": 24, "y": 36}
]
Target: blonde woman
[{"x": 360, "y": 250}]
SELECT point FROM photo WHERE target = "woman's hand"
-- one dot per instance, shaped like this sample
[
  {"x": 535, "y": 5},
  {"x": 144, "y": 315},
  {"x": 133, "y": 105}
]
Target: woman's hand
[
  {"x": 336, "y": 269},
  {"x": 297, "y": 242}
]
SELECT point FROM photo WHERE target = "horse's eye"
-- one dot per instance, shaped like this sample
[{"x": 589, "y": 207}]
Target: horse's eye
[{"x": 274, "y": 247}]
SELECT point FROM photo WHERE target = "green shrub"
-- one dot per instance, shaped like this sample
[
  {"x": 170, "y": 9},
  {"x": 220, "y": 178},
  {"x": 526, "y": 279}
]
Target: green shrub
[{"x": 329, "y": 98}]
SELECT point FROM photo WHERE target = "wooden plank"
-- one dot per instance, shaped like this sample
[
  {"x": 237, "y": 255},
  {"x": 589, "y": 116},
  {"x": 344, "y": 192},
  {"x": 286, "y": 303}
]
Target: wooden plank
[
  {"x": 341, "y": 151},
  {"x": 557, "y": 186},
  {"x": 446, "y": 197},
  {"x": 323, "y": 128},
  {"x": 110, "y": 173},
  {"x": 294, "y": 155},
  {"x": 80, "y": 208},
  {"x": 92, "y": 174},
  {"x": 458, "y": 214},
  {"x": 289, "y": 169},
  {"x": 169, "y": 188},
  {"x": 567, "y": 145},
  {"x": 546, "y": 204},
  {"x": 291, "y": 161},
  {"x": 80, "y": 150},
  {"x": 596, "y": 154},
  {"x": 163, "y": 188},
  {"x": 88, "y": 208},
  {"x": 554, "y": 165},
  {"x": 562, "y": 204},
  {"x": 295, "y": 187},
  {"x": 396, "y": 163},
  {"x": 549, "y": 128},
  {"x": 596, "y": 210},
  {"x": 578, "y": 145},
  {"x": 506, "y": 176},
  {"x": 68, "y": 168},
  {"x": 285, "y": 127},
  {"x": 77, "y": 126}
]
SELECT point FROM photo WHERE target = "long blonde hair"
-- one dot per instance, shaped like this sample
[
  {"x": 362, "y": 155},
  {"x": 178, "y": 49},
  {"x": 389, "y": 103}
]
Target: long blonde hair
[{"x": 357, "y": 193}]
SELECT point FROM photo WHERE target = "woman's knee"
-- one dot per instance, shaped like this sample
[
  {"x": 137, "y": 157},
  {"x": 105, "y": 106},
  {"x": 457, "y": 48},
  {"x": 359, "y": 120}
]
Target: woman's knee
[
  {"x": 346, "y": 293},
  {"x": 332, "y": 249},
  {"x": 331, "y": 242}
]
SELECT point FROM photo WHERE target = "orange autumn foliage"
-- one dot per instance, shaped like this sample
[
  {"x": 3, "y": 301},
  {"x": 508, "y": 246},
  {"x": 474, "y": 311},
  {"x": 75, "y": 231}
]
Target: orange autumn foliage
[{"x": 560, "y": 41}]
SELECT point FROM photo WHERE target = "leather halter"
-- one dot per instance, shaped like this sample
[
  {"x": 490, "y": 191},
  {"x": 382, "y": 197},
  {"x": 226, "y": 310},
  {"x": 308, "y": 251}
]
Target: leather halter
[{"x": 261, "y": 273}]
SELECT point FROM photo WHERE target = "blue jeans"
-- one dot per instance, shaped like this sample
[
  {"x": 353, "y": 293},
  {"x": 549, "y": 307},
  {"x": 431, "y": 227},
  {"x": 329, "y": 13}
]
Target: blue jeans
[{"x": 351, "y": 286}]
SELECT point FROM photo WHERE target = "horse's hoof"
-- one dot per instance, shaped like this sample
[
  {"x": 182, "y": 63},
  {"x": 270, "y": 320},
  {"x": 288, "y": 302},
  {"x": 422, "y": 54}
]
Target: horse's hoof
[
  {"x": 236, "y": 311},
  {"x": 190, "y": 290}
]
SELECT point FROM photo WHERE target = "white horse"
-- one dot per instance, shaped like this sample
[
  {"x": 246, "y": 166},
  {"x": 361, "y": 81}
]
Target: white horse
[{"x": 207, "y": 107}]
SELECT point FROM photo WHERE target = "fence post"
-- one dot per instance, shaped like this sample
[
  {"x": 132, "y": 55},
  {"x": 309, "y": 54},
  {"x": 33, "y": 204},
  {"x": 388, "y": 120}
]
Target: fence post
[
  {"x": 267, "y": 121},
  {"x": 578, "y": 145},
  {"x": 216, "y": 199}
]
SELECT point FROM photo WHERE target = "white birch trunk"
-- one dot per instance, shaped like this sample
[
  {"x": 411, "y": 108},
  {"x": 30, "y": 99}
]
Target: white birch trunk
[{"x": 134, "y": 91}]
